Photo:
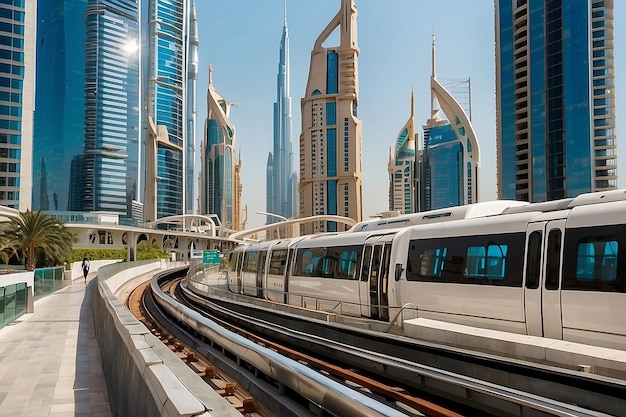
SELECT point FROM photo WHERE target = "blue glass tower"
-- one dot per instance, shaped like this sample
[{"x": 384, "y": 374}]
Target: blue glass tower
[
  {"x": 17, "y": 80},
  {"x": 59, "y": 119},
  {"x": 449, "y": 170},
  {"x": 555, "y": 101},
  {"x": 111, "y": 106},
  {"x": 168, "y": 35},
  {"x": 281, "y": 189}
]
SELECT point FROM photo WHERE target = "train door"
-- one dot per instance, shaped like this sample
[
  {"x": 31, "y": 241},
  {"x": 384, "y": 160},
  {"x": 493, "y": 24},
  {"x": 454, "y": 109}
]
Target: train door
[
  {"x": 551, "y": 290},
  {"x": 534, "y": 277},
  {"x": 260, "y": 273},
  {"x": 374, "y": 283},
  {"x": 542, "y": 292}
]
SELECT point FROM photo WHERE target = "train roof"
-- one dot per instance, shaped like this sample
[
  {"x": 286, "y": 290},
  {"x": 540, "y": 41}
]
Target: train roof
[{"x": 469, "y": 211}]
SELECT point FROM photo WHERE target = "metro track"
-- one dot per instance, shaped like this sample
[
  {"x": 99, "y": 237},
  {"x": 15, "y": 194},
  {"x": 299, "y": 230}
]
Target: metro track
[{"x": 383, "y": 377}]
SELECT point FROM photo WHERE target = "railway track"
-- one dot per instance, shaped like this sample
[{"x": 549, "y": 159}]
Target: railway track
[
  {"x": 403, "y": 400},
  {"x": 240, "y": 399},
  {"x": 391, "y": 396}
]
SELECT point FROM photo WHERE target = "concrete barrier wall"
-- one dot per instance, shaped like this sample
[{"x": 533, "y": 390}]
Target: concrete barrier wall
[{"x": 144, "y": 378}]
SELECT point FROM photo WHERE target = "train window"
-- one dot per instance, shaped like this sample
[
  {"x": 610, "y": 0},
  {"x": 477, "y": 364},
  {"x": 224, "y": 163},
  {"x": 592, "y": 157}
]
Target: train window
[
  {"x": 553, "y": 260},
  {"x": 278, "y": 260},
  {"x": 597, "y": 259},
  {"x": 478, "y": 259},
  {"x": 431, "y": 262},
  {"x": 250, "y": 261},
  {"x": 367, "y": 257},
  {"x": 592, "y": 259},
  {"x": 234, "y": 257},
  {"x": 533, "y": 260},
  {"x": 486, "y": 261},
  {"x": 333, "y": 262}
]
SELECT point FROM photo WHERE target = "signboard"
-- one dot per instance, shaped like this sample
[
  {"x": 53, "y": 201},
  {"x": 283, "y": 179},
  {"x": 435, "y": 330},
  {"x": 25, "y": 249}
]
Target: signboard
[
  {"x": 211, "y": 257},
  {"x": 197, "y": 254}
]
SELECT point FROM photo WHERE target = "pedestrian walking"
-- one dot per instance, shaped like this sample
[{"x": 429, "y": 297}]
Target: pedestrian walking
[{"x": 85, "y": 268}]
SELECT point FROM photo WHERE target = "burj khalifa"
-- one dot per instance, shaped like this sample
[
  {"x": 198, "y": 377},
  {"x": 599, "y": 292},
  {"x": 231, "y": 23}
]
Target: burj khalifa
[{"x": 282, "y": 180}]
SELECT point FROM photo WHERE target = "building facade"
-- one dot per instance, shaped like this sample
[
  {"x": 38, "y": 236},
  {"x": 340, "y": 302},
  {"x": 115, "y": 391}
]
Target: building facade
[
  {"x": 220, "y": 187},
  {"x": 112, "y": 107},
  {"x": 168, "y": 46},
  {"x": 449, "y": 170},
  {"x": 330, "y": 143},
  {"x": 402, "y": 168},
  {"x": 191, "y": 184},
  {"x": 17, "y": 85},
  {"x": 555, "y": 101},
  {"x": 281, "y": 189},
  {"x": 60, "y": 100}
]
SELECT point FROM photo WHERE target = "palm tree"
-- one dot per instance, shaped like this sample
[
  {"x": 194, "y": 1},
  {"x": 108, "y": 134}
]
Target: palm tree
[{"x": 38, "y": 237}]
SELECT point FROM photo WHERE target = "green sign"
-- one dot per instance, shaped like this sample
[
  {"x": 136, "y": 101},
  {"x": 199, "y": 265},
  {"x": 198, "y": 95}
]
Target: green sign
[{"x": 211, "y": 257}]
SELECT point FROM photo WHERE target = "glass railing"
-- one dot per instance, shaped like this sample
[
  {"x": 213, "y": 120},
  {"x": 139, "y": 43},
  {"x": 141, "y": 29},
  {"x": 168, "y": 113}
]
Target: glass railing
[
  {"x": 12, "y": 302},
  {"x": 48, "y": 280}
]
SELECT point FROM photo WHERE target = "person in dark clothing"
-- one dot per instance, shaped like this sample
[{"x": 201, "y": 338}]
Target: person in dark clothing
[{"x": 85, "y": 268}]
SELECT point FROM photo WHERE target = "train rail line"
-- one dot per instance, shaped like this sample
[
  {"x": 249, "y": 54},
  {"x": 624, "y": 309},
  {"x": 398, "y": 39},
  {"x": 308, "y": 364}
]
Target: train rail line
[{"x": 403, "y": 400}]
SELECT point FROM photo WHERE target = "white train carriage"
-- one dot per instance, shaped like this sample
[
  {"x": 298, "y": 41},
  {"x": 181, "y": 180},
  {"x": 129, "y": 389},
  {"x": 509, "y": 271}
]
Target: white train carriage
[{"x": 555, "y": 269}]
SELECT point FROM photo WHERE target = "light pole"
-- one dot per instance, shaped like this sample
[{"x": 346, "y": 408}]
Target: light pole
[{"x": 278, "y": 216}]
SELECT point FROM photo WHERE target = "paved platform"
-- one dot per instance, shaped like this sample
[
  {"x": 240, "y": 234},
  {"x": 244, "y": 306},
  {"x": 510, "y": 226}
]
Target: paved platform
[{"x": 50, "y": 361}]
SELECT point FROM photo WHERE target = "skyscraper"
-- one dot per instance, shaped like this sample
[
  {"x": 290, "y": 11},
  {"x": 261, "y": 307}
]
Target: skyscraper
[
  {"x": 111, "y": 151},
  {"x": 220, "y": 190},
  {"x": 555, "y": 102},
  {"x": 17, "y": 84},
  {"x": 450, "y": 164},
  {"x": 281, "y": 188},
  {"x": 330, "y": 142},
  {"x": 60, "y": 100},
  {"x": 168, "y": 37},
  {"x": 401, "y": 168},
  {"x": 192, "y": 78}
]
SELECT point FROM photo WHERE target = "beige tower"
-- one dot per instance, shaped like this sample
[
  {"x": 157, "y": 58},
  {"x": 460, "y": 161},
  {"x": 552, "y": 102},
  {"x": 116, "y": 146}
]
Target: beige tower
[{"x": 330, "y": 142}]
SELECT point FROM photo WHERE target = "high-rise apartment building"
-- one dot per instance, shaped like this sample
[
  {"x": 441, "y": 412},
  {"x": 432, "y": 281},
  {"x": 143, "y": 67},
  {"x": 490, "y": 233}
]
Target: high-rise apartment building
[
  {"x": 60, "y": 105},
  {"x": 17, "y": 85},
  {"x": 555, "y": 102},
  {"x": 450, "y": 163},
  {"x": 112, "y": 103},
  {"x": 330, "y": 142},
  {"x": 281, "y": 189},
  {"x": 168, "y": 46},
  {"x": 402, "y": 168},
  {"x": 220, "y": 188},
  {"x": 192, "y": 79}
]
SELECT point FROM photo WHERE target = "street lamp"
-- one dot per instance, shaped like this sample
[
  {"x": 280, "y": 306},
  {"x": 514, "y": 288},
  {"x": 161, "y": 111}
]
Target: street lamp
[{"x": 278, "y": 216}]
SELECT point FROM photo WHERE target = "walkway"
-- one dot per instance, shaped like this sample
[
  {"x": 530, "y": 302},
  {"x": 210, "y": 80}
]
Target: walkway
[{"x": 50, "y": 362}]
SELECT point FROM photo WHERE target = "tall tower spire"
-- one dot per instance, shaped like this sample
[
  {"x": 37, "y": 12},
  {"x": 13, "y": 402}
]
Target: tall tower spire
[
  {"x": 433, "y": 75},
  {"x": 281, "y": 189},
  {"x": 192, "y": 78}
]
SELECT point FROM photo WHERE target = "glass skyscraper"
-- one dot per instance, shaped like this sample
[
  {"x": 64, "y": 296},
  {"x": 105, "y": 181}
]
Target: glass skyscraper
[
  {"x": 168, "y": 41},
  {"x": 112, "y": 115},
  {"x": 449, "y": 169},
  {"x": 555, "y": 101},
  {"x": 282, "y": 191},
  {"x": 17, "y": 84},
  {"x": 330, "y": 143},
  {"x": 60, "y": 100},
  {"x": 219, "y": 185}
]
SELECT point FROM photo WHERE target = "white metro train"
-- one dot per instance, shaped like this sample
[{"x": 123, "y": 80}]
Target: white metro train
[{"x": 554, "y": 269}]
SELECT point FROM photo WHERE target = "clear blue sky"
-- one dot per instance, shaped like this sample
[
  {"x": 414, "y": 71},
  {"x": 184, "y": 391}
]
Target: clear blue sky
[{"x": 241, "y": 38}]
